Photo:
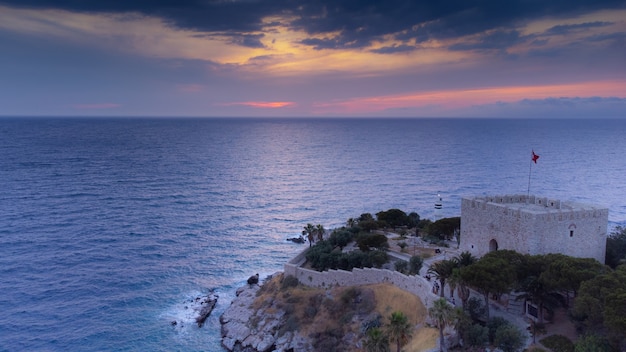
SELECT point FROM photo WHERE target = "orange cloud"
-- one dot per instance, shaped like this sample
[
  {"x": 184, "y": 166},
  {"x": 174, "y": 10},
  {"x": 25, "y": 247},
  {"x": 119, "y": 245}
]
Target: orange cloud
[
  {"x": 264, "y": 104},
  {"x": 454, "y": 99}
]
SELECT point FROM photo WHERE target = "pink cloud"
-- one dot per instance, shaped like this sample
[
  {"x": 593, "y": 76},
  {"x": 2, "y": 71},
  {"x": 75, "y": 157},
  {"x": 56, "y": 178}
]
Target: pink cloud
[
  {"x": 464, "y": 98},
  {"x": 263, "y": 104}
]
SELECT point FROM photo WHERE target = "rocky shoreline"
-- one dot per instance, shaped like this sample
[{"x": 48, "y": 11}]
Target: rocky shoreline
[{"x": 246, "y": 328}]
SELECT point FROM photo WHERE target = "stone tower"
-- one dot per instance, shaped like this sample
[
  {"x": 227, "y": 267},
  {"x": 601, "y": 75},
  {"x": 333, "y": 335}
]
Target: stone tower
[{"x": 533, "y": 225}]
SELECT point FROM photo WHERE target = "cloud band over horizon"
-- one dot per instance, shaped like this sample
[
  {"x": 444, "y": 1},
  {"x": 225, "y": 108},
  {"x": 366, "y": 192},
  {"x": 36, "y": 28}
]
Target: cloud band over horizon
[{"x": 318, "y": 58}]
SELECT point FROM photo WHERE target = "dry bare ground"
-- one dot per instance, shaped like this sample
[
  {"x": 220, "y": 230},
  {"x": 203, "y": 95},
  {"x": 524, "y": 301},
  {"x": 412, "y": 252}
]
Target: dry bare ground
[{"x": 381, "y": 298}]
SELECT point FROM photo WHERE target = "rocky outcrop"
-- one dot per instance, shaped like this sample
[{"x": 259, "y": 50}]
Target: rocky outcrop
[
  {"x": 197, "y": 309},
  {"x": 248, "y": 329}
]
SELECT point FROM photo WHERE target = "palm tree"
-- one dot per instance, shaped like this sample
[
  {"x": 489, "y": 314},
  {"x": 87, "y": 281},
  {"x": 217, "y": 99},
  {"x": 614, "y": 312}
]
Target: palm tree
[
  {"x": 462, "y": 260},
  {"x": 309, "y": 232},
  {"x": 319, "y": 229},
  {"x": 465, "y": 259},
  {"x": 442, "y": 270},
  {"x": 376, "y": 341},
  {"x": 443, "y": 314},
  {"x": 399, "y": 329}
]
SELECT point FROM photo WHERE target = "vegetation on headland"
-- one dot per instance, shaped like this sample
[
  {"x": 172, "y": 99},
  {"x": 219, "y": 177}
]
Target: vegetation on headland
[
  {"x": 343, "y": 318},
  {"x": 592, "y": 293}
]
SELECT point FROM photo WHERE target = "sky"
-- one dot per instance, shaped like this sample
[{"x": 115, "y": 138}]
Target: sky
[{"x": 317, "y": 58}]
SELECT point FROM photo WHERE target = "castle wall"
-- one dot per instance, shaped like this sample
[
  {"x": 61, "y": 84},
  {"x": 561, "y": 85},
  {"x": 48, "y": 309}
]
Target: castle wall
[
  {"x": 532, "y": 225},
  {"x": 416, "y": 285}
]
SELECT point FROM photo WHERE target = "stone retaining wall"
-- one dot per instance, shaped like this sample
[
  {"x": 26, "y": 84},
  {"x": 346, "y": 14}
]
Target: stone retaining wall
[{"x": 416, "y": 285}]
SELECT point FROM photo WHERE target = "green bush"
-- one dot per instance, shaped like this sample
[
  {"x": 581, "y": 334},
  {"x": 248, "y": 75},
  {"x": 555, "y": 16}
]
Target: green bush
[
  {"x": 289, "y": 281},
  {"x": 476, "y": 335},
  {"x": 509, "y": 338},
  {"x": 368, "y": 242},
  {"x": 340, "y": 238},
  {"x": 494, "y": 324},
  {"x": 558, "y": 343},
  {"x": 476, "y": 309},
  {"x": 401, "y": 266},
  {"x": 415, "y": 264}
]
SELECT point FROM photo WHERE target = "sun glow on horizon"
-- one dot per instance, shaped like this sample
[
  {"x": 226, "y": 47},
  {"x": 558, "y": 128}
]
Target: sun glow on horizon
[{"x": 263, "y": 104}]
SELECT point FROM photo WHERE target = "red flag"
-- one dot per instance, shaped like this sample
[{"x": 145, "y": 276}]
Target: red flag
[{"x": 535, "y": 157}]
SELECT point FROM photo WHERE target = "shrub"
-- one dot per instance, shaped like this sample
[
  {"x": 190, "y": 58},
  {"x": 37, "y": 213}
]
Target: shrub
[
  {"x": 592, "y": 343},
  {"x": 340, "y": 238},
  {"x": 378, "y": 258},
  {"x": 415, "y": 264},
  {"x": 289, "y": 281},
  {"x": 349, "y": 295},
  {"x": 291, "y": 324},
  {"x": 402, "y": 245},
  {"x": 375, "y": 322},
  {"x": 476, "y": 335},
  {"x": 372, "y": 241},
  {"x": 509, "y": 338},
  {"x": 558, "y": 343},
  {"x": 476, "y": 309},
  {"x": 401, "y": 266},
  {"x": 494, "y": 324}
]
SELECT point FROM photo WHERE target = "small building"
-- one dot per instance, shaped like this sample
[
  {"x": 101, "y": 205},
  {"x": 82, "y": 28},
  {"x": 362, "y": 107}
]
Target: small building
[{"x": 532, "y": 225}]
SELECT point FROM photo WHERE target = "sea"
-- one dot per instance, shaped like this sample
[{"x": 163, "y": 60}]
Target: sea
[{"x": 110, "y": 227}]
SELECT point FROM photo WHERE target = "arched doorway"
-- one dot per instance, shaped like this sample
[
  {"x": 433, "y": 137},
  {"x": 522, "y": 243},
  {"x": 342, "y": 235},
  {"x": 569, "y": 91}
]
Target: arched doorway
[{"x": 493, "y": 245}]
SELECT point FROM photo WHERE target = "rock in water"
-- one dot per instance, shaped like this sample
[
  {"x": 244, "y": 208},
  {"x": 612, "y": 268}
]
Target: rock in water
[
  {"x": 253, "y": 280},
  {"x": 206, "y": 307}
]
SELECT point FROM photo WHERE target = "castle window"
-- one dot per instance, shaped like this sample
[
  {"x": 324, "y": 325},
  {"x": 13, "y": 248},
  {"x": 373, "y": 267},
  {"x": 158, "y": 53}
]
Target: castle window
[{"x": 571, "y": 233}]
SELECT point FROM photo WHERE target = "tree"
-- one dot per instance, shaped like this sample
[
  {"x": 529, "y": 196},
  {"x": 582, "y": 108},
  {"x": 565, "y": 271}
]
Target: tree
[
  {"x": 567, "y": 273},
  {"x": 376, "y": 341},
  {"x": 509, "y": 338},
  {"x": 368, "y": 241},
  {"x": 340, "y": 238},
  {"x": 444, "y": 228},
  {"x": 399, "y": 329},
  {"x": 443, "y": 315},
  {"x": 601, "y": 306},
  {"x": 413, "y": 219},
  {"x": 489, "y": 275},
  {"x": 415, "y": 264},
  {"x": 456, "y": 280},
  {"x": 309, "y": 232},
  {"x": 536, "y": 291},
  {"x": 320, "y": 231},
  {"x": 592, "y": 343},
  {"x": 465, "y": 259},
  {"x": 442, "y": 270},
  {"x": 393, "y": 217},
  {"x": 616, "y": 247}
]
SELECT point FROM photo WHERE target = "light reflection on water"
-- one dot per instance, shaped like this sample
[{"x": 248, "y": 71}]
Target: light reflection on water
[{"x": 109, "y": 224}]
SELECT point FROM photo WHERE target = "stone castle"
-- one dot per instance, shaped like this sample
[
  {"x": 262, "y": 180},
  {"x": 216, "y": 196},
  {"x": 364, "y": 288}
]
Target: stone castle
[{"x": 532, "y": 225}]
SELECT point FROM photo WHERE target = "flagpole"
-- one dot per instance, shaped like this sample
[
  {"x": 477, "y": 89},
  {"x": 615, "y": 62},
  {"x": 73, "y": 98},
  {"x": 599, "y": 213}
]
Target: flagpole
[
  {"x": 530, "y": 167},
  {"x": 533, "y": 159}
]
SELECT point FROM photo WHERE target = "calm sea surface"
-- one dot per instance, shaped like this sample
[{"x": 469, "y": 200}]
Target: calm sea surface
[{"x": 108, "y": 226}]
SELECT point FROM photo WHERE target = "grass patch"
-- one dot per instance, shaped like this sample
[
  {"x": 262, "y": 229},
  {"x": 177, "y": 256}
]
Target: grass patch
[{"x": 328, "y": 315}]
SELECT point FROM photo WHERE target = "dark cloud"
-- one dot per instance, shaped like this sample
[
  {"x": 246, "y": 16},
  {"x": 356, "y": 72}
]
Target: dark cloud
[
  {"x": 493, "y": 41},
  {"x": 347, "y": 23},
  {"x": 568, "y": 28},
  {"x": 248, "y": 40}
]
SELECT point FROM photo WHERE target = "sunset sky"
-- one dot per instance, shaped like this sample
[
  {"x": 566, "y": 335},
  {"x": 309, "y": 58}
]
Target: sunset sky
[{"x": 320, "y": 58}]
